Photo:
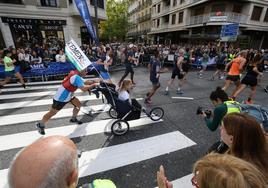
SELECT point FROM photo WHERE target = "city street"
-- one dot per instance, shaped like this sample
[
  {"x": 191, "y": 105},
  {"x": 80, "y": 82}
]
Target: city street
[{"x": 131, "y": 160}]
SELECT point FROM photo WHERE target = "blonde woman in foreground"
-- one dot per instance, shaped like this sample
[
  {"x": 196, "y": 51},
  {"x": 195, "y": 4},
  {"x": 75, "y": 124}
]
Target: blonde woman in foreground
[{"x": 220, "y": 171}]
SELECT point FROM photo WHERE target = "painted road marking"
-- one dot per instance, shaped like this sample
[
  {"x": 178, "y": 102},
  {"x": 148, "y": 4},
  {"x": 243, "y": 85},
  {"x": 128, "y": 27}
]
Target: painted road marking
[
  {"x": 186, "y": 98},
  {"x": 23, "y": 139},
  {"x": 95, "y": 161}
]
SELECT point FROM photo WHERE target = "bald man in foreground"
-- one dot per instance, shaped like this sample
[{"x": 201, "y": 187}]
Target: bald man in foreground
[{"x": 49, "y": 162}]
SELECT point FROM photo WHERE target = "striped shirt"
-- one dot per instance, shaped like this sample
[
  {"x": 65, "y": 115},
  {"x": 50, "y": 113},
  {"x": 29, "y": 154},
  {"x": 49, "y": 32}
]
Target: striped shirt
[{"x": 63, "y": 95}]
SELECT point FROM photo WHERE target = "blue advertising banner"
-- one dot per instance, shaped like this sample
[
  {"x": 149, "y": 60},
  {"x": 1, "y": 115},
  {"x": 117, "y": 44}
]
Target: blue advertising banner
[{"x": 83, "y": 10}]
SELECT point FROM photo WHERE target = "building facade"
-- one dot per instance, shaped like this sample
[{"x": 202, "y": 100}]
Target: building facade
[
  {"x": 175, "y": 21},
  {"x": 139, "y": 14},
  {"x": 27, "y": 22}
]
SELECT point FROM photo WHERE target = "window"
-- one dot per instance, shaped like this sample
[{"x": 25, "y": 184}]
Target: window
[
  {"x": 180, "y": 17},
  {"x": 266, "y": 16},
  {"x": 182, "y": 1},
  {"x": 158, "y": 23},
  {"x": 11, "y": 1},
  {"x": 173, "y": 19},
  {"x": 49, "y": 3},
  {"x": 100, "y": 3},
  {"x": 158, "y": 8},
  {"x": 237, "y": 8},
  {"x": 256, "y": 13},
  {"x": 174, "y": 3}
]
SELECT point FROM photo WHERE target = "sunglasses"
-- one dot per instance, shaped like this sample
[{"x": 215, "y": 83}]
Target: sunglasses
[{"x": 194, "y": 182}]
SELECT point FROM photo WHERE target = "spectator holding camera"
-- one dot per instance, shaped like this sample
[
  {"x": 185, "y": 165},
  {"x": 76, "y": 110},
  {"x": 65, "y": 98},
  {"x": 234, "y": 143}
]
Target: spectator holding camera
[
  {"x": 222, "y": 105},
  {"x": 246, "y": 140}
]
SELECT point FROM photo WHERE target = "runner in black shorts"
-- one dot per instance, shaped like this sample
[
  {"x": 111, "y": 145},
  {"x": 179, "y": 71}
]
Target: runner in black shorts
[
  {"x": 236, "y": 68},
  {"x": 220, "y": 65},
  {"x": 154, "y": 67},
  {"x": 250, "y": 79},
  {"x": 177, "y": 71}
]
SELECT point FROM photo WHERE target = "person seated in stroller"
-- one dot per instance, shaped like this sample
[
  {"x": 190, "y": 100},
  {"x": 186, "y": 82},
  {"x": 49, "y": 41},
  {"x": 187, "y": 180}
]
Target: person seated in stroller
[{"x": 124, "y": 93}]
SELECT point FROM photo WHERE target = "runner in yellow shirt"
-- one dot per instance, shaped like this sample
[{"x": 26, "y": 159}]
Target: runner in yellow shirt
[{"x": 10, "y": 70}]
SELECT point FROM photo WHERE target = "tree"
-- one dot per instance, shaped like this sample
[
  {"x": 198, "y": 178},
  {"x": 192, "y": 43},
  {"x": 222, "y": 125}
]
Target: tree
[{"x": 115, "y": 27}]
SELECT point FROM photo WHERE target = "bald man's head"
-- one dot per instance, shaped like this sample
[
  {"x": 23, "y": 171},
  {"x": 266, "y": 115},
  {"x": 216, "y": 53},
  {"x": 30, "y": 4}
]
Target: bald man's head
[{"x": 47, "y": 163}]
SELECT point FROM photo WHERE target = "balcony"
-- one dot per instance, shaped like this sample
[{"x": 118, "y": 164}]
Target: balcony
[
  {"x": 227, "y": 17},
  {"x": 144, "y": 18}
]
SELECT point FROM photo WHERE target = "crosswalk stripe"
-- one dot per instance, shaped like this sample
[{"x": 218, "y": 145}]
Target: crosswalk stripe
[
  {"x": 37, "y": 83},
  {"x": 22, "y": 104},
  {"x": 19, "y": 140},
  {"x": 36, "y": 116},
  {"x": 30, "y": 89},
  {"x": 95, "y": 161},
  {"x": 184, "y": 182},
  {"x": 48, "y": 82},
  {"x": 3, "y": 178},
  {"x": 34, "y": 94}
]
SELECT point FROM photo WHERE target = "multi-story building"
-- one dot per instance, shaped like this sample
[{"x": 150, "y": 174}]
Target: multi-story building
[
  {"x": 199, "y": 20},
  {"x": 139, "y": 14},
  {"x": 25, "y": 22}
]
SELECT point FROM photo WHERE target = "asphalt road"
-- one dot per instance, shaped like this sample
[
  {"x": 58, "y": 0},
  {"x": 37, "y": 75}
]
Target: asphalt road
[{"x": 132, "y": 160}]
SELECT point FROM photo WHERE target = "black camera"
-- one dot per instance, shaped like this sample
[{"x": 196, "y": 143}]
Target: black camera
[{"x": 200, "y": 111}]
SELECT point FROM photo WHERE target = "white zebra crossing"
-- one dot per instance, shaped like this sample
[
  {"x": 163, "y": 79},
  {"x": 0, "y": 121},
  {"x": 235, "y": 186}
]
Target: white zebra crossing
[
  {"x": 36, "y": 116},
  {"x": 92, "y": 161},
  {"x": 19, "y": 140},
  {"x": 29, "y": 89},
  {"x": 33, "y": 94},
  {"x": 31, "y": 103},
  {"x": 95, "y": 161}
]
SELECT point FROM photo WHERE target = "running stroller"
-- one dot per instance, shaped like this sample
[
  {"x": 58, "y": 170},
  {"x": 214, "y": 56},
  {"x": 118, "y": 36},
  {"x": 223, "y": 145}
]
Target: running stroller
[{"x": 124, "y": 111}]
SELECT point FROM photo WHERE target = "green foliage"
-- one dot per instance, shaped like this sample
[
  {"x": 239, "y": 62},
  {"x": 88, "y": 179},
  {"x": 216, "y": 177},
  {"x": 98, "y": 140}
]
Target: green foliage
[{"x": 115, "y": 27}]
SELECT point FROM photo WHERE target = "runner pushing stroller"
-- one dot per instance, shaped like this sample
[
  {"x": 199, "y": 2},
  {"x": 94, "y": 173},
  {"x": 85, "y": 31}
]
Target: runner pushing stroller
[{"x": 123, "y": 108}]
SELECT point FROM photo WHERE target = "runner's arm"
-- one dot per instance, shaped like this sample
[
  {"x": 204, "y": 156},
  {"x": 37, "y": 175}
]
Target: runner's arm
[
  {"x": 255, "y": 69},
  {"x": 227, "y": 65},
  {"x": 87, "y": 87},
  {"x": 242, "y": 64}
]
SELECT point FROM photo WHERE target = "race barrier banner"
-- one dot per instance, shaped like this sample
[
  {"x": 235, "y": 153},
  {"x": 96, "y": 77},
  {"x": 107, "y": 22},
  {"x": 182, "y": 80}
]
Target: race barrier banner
[
  {"x": 83, "y": 10},
  {"x": 76, "y": 55}
]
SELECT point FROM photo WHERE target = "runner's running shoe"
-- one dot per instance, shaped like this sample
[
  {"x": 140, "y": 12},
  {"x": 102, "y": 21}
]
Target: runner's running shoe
[
  {"x": 75, "y": 120},
  {"x": 40, "y": 128}
]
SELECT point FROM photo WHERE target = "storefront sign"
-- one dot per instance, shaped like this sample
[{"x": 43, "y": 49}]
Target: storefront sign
[
  {"x": 218, "y": 18},
  {"x": 50, "y": 28},
  {"x": 32, "y": 21},
  {"x": 21, "y": 26},
  {"x": 76, "y": 55}
]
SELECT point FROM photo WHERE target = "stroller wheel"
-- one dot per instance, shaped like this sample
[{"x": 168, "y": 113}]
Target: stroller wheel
[
  {"x": 156, "y": 113},
  {"x": 113, "y": 113},
  {"x": 120, "y": 127}
]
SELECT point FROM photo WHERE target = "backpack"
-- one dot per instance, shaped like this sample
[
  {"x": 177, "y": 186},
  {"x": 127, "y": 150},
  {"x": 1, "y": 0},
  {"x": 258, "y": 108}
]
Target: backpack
[{"x": 258, "y": 112}]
